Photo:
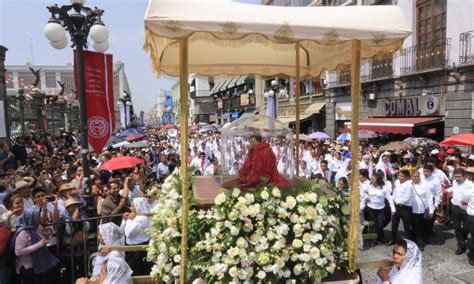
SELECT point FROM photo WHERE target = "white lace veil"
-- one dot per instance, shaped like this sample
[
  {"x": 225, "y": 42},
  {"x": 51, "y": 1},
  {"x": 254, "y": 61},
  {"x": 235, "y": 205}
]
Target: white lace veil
[
  {"x": 112, "y": 234},
  {"x": 411, "y": 267},
  {"x": 141, "y": 205},
  {"x": 118, "y": 271}
]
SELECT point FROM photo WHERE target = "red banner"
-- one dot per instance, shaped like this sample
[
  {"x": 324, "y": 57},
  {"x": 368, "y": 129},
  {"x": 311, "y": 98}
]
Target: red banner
[{"x": 98, "y": 78}]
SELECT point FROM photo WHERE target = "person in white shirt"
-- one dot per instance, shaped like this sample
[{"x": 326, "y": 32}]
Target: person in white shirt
[
  {"x": 335, "y": 165},
  {"x": 468, "y": 200},
  {"x": 461, "y": 186},
  {"x": 403, "y": 197},
  {"x": 366, "y": 163},
  {"x": 423, "y": 208},
  {"x": 312, "y": 160},
  {"x": 235, "y": 169},
  {"x": 134, "y": 227},
  {"x": 200, "y": 163},
  {"x": 385, "y": 166},
  {"x": 22, "y": 188},
  {"x": 212, "y": 169},
  {"x": 434, "y": 185},
  {"x": 376, "y": 195},
  {"x": 323, "y": 172},
  {"x": 305, "y": 171}
]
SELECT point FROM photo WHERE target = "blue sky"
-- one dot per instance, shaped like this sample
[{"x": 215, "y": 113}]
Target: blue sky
[{"x": 21, "y": 31}]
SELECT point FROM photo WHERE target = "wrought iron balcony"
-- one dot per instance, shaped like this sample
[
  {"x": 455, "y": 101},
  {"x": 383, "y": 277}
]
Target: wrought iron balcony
[
  {"x": 426, "y": 56},
  {"x": 466, "y": 52},
  {"x": 375, "y": 68}
]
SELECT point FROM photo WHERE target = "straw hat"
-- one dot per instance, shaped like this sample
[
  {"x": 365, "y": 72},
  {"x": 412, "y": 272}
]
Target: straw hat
[
  {"x": 21, "y": 184},
  {"x": 71, "y": 201},
  {"x": 29, "y": 180},
  {"x": 65, "y": 186}
]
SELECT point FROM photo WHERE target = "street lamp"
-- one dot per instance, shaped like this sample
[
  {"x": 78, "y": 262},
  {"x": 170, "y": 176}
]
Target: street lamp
[
  {"x": 124, "y": 101},
  {"x": 20, "y": 96},
  {"x": 79, "y": 21}
]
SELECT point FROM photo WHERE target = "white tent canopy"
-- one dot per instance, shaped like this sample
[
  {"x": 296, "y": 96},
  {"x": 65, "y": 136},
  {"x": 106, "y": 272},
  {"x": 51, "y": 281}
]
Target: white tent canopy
[{"x": 239, "y": 39}]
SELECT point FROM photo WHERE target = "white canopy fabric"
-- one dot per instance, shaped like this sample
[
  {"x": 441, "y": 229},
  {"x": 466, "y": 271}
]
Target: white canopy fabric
[{"x": 239, "y": 39}]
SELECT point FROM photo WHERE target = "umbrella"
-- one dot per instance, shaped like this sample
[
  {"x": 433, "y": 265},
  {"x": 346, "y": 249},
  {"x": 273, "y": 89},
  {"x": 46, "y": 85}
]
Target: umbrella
[
  {"x": 318, "y": 135},
  {"x": 120, "y": 144},
  {"x": 168, "y": 126},
  {"x": 113, "y": 140},
  {"x": 367, "y": 134},
  {"x": 138, "y": 144},
  {"x": 121, "y": 162},
  {"x": 466, "y": 139},
  {"x": 135, "y": 136},
  {"x": 396, "y": 146},
  {"x": 207, "y": 128},
  {"x": 344, "y": 136},
  {"x": 421, "y": 142},
  {"x": 128, "y": 132}
]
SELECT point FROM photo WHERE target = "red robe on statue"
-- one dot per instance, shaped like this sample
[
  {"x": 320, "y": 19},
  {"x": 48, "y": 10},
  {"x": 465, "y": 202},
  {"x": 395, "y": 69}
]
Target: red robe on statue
[{"x": 261, "y": 162}]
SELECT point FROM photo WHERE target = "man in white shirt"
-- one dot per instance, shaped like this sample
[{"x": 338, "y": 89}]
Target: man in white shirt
[
  {"x": 461, "y": 187},
  {"x": 200, "y": 163},
  {"x": 468, "y": 200},
  {"x": 323, "y": 172},
  {"x": 434, "y": 185},
  {"x": 312, "y": 160},
  {"x": 22, "y": 188},
  {"x": 212, "y": 169},
  {"x": 403, "y": 198}
]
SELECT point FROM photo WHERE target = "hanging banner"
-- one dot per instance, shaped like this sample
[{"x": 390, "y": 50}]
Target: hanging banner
[{"x": 99, "y": 97}]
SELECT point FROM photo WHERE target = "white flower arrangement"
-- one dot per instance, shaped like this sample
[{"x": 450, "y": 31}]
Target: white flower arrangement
[{"x": 253, "y": 236}]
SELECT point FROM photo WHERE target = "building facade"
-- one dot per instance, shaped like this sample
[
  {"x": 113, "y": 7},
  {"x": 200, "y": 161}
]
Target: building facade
[
  {"x": 40, "y": 114},
  {"x": 425, "y": 89}
]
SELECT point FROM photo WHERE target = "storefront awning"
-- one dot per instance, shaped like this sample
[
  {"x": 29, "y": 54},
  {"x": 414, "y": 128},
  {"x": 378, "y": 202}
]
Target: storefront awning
[
  {"x": 394, "y": 125},
  {"x": 216, "y": 87},
  {"x": 315, "y": 107},
  {"x": 290, "y": 119},
  {"x": 223, "y": 87}
]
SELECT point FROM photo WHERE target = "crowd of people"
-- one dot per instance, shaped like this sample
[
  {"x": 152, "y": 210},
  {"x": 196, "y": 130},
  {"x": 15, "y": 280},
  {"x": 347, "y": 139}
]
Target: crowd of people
[{"x": 53, "y": 229}]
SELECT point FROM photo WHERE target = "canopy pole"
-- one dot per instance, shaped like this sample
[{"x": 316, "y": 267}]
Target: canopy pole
[
  {"x": 183, "y": 118},
  {"x": 353, "y": 239},
  {"x": 297, "y": 102}
]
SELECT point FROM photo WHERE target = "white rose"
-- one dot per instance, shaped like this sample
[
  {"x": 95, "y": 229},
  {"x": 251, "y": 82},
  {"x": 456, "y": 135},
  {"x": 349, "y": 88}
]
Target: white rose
[
  {"x": 304, "y": 257},
  {"x": 264, "y": 196},
  {"x": 276, "y": 192},
  {"x": 297, "y": 243},
  {"x": 307, "y": 197},
  {"x": 290, "y": 202},
  {"x": 241, "y": 243},
  {"x": 249, "y": 198},
  {"x": 294, "y": 218},
  {"x": 313, "y": 197},
  {"x": 319, "y": 262},
  {"x": 228, "y": 224},
  {"x": 236, "y": 192},
  {"x": 220, "y": 198},
  {"x": 306, "y": 237},
  {"x": 261, "y": 275},
  {"x": 314, "y": 252},
  {"x": 300, "y": 198},
  {"x": 287, "y": 274},
  {"x": 306, "y": 248},
  {"x": 298, "y": 230},
  {"x": 166, "y": 278},
  {"x": 331, "y": 268},
  {"x": 234, "y": 231},
  {"x": 175, "y": 271},
  {"x": 233, "y": 215},
  {"x": 177, "y": 258},
  {"x": 298, "y": 269},
  {"x": 233, "y": 252},
  {"x": 233, "y": 272}
]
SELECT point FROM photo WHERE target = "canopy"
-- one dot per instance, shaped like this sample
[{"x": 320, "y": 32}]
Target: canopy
[
  {"x": 466, "y": 139},
  {"x": 402, "y": 125},
  {"x": 240, "y": 39},
  {"x": 121, "y": 162}
]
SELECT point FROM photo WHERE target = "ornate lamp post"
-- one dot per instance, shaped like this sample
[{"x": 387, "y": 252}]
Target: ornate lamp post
[
  {"x": 125, "y": 102},
  {"x": 79, "y": 21}
]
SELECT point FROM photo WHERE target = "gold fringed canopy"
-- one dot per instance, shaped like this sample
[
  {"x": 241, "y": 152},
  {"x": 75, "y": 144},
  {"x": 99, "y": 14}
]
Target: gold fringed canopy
[
  {"x": 239, "y": 39},
  {"x": 212, "y": 37}
]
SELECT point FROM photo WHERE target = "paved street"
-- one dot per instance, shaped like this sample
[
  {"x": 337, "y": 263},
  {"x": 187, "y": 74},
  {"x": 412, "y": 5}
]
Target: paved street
[{"x": 440, "y": 264}]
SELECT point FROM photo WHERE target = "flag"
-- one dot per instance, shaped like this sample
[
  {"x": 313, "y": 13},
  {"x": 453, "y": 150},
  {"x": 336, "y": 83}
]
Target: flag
[{"x": 98, "y": 77}]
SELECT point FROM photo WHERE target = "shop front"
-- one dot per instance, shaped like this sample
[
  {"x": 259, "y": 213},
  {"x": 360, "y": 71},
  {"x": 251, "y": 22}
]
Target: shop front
[{"x": 342, "y": 113}]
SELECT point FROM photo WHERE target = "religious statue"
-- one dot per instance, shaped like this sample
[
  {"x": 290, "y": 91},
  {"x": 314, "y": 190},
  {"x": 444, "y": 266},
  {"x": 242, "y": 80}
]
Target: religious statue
[{"x": 260, "y": 165}]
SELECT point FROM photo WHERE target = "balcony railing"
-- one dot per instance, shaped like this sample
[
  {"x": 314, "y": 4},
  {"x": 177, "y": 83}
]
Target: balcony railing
[
  {"x": 375, "y": 68},
  {"x": 426, "y": 56},
  {"x": 466, "y": 52}
]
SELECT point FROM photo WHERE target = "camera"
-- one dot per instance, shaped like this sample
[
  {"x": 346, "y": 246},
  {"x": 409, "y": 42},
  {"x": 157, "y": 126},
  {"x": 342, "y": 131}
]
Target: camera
[{"x": 51, "y": 198}]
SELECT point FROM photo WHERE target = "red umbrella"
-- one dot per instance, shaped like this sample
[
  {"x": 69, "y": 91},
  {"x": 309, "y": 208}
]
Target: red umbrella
[
  {"x": 134, "y": 137},
  {"x": 121, "y": 162},
  {"x": 168, "y": 126},
  {"x": 466, "y": 139}
]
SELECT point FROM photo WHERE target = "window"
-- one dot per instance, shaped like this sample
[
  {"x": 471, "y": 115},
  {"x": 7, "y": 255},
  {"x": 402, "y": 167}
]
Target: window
[
  {"x": 26, "y": 79},
  {"x": 431, "y": 20},
  {"x": 9, "y": 80},
  {"x": 50, "y": 79}
]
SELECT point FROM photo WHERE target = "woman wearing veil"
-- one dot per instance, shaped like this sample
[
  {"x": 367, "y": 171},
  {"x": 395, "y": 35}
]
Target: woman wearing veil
[
  {"x": 109, "y": 235},
  {"x": 35, "y": 263},
  {"x": 343, "y": 171},
  {"x": 366, "y": 163},
  {"x": 134, "y": 227},
  {"x": 385, "y": 166},
  {"x": 406, "y": 265},
  {"x": 114, "y": 271}
]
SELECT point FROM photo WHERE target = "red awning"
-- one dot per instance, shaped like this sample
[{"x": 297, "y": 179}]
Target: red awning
[{"x": 394, "y": 125}]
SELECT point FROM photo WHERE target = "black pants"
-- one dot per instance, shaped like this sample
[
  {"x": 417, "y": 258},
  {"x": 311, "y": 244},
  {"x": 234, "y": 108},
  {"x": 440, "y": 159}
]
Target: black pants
[
  {"x": 417, "y": 223},
  {"x": 427, "y": 229},
  {"x": 28, "y": 276},
  {"x": 470, "y": 244},
  {"x": 79, "y": 268},
  {"x": 402, "y": 212},
  {"x": 137, "y": 262},
  {"x": 460, "y": 224},
  {"x": 377, "y": 217}
]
